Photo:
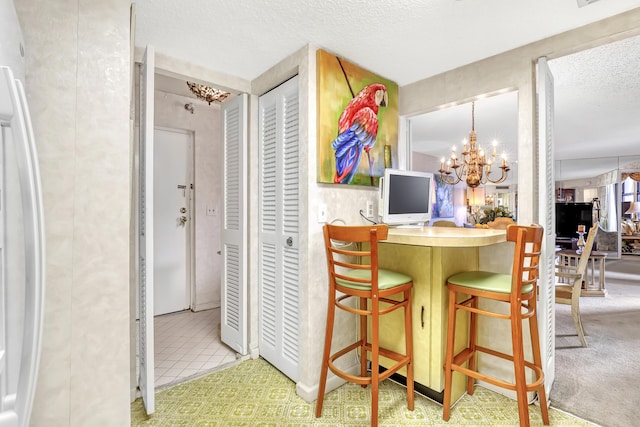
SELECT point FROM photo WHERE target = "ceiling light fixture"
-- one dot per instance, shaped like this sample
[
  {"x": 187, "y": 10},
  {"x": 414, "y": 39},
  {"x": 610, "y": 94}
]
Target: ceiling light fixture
[
  {"x": 207, "y": 93},
  {"x": 473, "y": 166},
  {"x": 583, "y": 3}
]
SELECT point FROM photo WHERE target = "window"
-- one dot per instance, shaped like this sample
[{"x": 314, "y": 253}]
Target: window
[{"x": 630, "y": 193}]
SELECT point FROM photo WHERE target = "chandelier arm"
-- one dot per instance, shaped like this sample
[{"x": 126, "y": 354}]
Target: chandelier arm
[
  {"x": 446, "y": 179},
  {"x": 463, "y": 171},
  {"x": 499, "y": 180}
]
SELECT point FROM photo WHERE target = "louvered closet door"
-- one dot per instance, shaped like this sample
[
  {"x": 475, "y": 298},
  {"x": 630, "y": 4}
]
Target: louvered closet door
[
  {"x": 278, "y": 240},
  {"x": 546, "y": 213},
  {"x": 234, "y": 234}
]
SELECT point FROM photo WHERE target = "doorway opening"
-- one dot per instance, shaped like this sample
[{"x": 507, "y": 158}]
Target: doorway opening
[{"x": 187, "y": 278}]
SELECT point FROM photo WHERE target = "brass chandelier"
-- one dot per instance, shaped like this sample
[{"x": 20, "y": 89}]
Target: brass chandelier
[{"x": 473, "y": 166}]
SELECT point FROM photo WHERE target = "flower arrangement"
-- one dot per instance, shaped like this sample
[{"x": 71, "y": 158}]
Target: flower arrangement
[{"x": 492, "y": 213}]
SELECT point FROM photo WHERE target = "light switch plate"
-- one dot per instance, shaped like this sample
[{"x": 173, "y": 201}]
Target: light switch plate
[{"x": 322, "y": 213}]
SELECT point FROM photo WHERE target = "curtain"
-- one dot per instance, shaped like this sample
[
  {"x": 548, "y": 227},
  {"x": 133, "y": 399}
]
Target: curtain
[{"x": 633, "y": 175}]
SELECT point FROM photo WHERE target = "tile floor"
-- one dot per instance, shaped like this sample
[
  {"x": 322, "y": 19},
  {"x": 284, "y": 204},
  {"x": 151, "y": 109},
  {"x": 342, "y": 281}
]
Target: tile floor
[{"x": 188, "y": 343}]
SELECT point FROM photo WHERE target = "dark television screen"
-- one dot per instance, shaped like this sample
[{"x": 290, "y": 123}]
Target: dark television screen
[{"x": 570, "y": 215}]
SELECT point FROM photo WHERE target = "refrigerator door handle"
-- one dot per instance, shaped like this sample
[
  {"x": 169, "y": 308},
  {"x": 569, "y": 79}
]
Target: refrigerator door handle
[{"x": 33, "y": 216}]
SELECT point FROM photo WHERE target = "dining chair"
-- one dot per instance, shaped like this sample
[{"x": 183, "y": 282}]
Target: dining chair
[
  {"x": 519, "y": 291},
  {"x": 352, "y": 260},
  {"x": 569, "y": 283},
  {"x": 500, "y": 223}
]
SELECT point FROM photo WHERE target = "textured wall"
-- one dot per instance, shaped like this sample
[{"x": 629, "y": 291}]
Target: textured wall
[
  {"x": 77, "y": 57},
  {"x": 205, "y": 125}
]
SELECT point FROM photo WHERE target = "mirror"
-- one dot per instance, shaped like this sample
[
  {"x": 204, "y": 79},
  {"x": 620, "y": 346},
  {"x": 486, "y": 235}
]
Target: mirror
[
  {"x": 602, "y": 178},
  {"x": 434, "y": 134}
]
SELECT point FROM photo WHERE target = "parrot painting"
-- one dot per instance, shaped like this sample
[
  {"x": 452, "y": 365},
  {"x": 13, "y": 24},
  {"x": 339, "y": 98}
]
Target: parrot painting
[{"x": 357, "y": 130}]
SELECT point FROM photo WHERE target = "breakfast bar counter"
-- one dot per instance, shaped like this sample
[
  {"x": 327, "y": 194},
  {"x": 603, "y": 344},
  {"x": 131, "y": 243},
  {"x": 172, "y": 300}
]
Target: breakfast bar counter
[
  {"x": 430, "y": 255},
  {"x": 446, "y": 236}
]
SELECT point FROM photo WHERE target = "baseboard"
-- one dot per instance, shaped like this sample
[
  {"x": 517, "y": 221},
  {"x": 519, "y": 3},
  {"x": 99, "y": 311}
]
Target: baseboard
[
  {"x": 205, "y": 306},
  {"x": 135, "y": 393},
  {"x": 437, "y": 397},
  {"x": 531, "y": 396},
  {"x": 310, "y": 392},
  {"x": 254, "y": 352}
]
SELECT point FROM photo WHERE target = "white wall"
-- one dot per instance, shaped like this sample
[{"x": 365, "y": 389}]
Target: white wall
[
  {"x": 205, "y": 125},
  {"x": 78, "y": 85}
]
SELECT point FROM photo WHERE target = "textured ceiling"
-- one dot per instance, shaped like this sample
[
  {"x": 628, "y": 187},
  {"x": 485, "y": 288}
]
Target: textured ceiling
[
  {"x": 403, "y": 40},
  {"x": 597, "y": 114},
  {"x": 408, "y": 40}
]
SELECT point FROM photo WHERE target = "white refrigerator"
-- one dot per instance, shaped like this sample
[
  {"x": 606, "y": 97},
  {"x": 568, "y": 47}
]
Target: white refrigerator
[{"x": 22, "y": 251}]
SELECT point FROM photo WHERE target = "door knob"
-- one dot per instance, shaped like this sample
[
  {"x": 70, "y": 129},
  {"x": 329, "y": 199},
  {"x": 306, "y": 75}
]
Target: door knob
[
  {"x": 183, "y": 220},
  {"x": 183, "y": 210}
]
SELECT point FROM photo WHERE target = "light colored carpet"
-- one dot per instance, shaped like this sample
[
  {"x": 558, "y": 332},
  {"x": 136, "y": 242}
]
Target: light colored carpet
[
  {"x": 600, "y": 383},
  {"x": 253, "y": 393}
]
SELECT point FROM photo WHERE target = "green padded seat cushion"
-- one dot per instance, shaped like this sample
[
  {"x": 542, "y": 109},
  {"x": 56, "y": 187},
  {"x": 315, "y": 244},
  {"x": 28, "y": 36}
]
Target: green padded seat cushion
[
  {"x": 486, "y": 281},
  {"x": 386, "y": 279}
]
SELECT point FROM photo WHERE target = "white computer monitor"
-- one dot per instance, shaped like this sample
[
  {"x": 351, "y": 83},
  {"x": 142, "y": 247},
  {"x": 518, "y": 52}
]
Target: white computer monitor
[{"x": 405, "y": 197}]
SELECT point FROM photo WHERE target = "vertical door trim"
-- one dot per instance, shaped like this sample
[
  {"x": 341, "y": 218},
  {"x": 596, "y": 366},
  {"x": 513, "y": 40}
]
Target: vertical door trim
[
  {"x": 546, "y": 213},
  {"x": 146, "y": 381}
]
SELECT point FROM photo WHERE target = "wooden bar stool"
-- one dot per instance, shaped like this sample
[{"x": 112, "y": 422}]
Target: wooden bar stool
[
  {"x": 353, "y": 272},
  {"x": 519, "y": 290}
]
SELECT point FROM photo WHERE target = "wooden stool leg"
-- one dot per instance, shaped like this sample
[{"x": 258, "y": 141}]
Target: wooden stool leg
[
  {"x": 451, "y": 330},
  {"x": 331, "y": 311},
  {"x": 363, "y": 340},
  {"x": 473, "y": 334},
  {"x": 537, "y": 360},
  {"x": 519, "y": 368},
  {"x": 375, "y": 359},
  {"x": 408, "y": 332}
]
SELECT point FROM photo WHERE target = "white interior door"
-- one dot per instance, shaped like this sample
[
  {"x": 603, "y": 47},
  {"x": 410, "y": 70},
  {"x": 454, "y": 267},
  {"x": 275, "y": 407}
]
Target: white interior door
[
  {"x": 146, "y": 381},
  {"x": 278, "y": 249},
  {"x": 172, "y": 181},
  {"x": 233, "y": 322},
  {"x": 546, "y": 213}
]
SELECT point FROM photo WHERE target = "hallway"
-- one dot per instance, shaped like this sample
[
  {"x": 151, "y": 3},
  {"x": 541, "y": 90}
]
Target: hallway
[{"x": 188, "y": 343}]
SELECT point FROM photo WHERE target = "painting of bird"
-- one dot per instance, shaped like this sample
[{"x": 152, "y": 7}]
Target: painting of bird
[
  {"x": 357, "y": 111},
  {"x": 357, "y": 131}
]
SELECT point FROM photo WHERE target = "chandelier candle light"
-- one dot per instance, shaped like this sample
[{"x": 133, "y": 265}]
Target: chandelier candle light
[{"x": 473, "y": 167}]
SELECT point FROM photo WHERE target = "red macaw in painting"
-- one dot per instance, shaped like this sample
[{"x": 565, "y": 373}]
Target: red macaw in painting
[{"x": 357, "y": 131}]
